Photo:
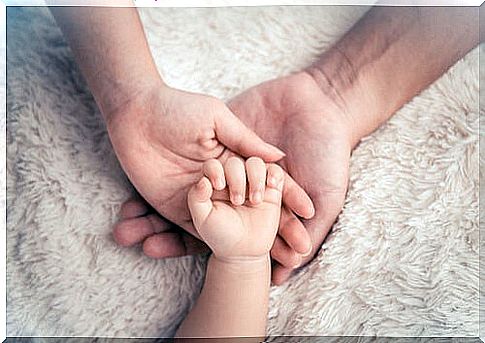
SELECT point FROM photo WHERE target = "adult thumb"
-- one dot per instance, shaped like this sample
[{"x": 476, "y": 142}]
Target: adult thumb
[{"x": 232, "y": 133}]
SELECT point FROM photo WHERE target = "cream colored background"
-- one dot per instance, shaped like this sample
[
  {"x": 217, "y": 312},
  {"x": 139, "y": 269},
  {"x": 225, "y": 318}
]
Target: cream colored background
[{"x": 402, "y": 259}]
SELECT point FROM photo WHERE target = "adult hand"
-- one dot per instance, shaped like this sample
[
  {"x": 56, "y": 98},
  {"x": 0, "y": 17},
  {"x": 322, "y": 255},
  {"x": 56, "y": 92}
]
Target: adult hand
[
  {"x": 161, "y": 135},
  {"x": 294, "y": 114},
  {"x": 371, "y": 71},
  {"x": 162, "y": 139}
]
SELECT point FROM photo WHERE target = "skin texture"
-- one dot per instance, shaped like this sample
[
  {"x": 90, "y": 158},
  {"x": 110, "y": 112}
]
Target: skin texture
[
  {"x": 316, "y": 138},
  {"x": 387, "y": 58},
  {"x": 238, "y": 231},
  {"x": 234, "y": 298},
  {"x": 162, "y": 135},
  {"x": 308, "y": 126},
  {"x": 316, "y": 116},
  {"x": 171, "y": 134}
]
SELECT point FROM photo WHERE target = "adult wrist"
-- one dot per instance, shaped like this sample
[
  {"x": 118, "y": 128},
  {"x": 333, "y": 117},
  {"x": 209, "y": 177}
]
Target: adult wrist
[
  {"x": 351, "y": 90},
  {"x": 128, "y": 99},
  {"x": 338, "y": 108}
]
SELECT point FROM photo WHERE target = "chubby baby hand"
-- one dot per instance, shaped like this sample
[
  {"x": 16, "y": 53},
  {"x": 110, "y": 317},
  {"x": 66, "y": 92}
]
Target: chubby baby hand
[{"x": 236, "y": 227}]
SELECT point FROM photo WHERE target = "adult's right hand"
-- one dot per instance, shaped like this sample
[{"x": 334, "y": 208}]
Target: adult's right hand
[{"x": 163, "y": 136}]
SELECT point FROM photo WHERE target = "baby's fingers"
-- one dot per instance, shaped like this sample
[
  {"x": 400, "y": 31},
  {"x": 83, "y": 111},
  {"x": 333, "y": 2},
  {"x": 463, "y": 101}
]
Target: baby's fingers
[
  {"x": 274, "y": 184},
  {"x": 199, "y": 201},
  {"x": 256, "y": 171},
  {"x": 235, "y": 172},
  {"x": 214, "y": 171}
]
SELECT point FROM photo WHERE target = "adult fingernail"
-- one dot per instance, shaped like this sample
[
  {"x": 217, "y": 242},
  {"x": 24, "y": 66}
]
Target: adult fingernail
[
  {"x": 309, "y": 251},
  {"x": 278, "y": 151}
]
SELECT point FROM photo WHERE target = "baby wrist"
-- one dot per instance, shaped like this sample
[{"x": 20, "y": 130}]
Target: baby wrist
[{"x": 242, "y": 264}]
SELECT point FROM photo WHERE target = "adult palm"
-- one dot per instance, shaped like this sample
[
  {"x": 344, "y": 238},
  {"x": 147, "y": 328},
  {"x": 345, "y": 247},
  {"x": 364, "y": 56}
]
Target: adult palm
[{"x": 294, "y": 114}]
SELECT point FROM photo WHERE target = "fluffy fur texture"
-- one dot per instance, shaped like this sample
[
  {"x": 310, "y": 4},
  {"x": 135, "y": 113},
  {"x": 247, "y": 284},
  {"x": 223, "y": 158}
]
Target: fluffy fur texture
[{"x": 401, "y": 260}]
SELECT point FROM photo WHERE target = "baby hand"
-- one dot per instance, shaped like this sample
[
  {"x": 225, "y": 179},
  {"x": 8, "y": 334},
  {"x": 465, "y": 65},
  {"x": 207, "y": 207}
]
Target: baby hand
[{"x": 239, "y": 229}]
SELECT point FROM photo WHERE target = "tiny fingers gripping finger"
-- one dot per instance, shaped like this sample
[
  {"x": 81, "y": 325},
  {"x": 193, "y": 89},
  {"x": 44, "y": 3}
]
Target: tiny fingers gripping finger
[
  {"x": 214, "y": 171},
  {"x": 256, "y": 170},
  {"x": 235, "y": 172},
  {"x": 199, "y": 201},
  {"x": 275, "y": 183}
]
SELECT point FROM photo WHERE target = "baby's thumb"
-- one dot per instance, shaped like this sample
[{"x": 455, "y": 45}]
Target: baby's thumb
[
  {"x": 240, "y": 139},
  {"x": 199, "y": 201}
]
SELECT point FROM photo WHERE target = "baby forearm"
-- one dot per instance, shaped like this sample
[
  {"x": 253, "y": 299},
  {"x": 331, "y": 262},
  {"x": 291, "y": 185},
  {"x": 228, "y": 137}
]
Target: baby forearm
[{"x": 233, "y": 301}]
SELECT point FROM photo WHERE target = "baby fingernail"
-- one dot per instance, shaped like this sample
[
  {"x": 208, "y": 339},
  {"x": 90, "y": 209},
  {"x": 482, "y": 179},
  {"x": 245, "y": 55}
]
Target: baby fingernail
[
  {"x": 238, "y": 199},
  {"x": 257, "y": 196}
]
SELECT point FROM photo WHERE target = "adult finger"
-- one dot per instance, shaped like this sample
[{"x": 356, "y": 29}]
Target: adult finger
[
  {"x": 128, "y": 232},
  {"x": 280, "y": 273},
  {"x": 328, "y": 205},
  {"x": 231, "y": 132},
  {"x": 284, "y": 254},
  {"x": 296, "y": 199},
  {"x": 134, "y": 207},
  {"x": 294, "y": 233},
  {"x": 173, "y": 244}
]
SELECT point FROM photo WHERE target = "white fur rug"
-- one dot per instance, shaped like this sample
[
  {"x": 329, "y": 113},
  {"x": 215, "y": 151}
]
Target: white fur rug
[{"x": 402, "y": 260}]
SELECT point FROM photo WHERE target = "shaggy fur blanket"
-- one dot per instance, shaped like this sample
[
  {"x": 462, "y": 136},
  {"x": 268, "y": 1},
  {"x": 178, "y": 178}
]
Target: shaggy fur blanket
[{"x": 402, "y": 260}]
